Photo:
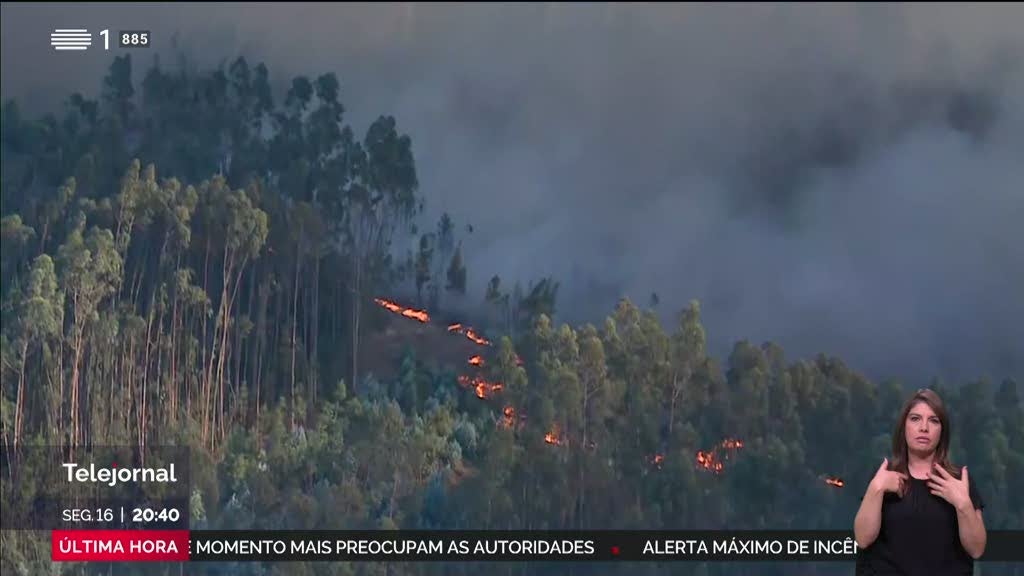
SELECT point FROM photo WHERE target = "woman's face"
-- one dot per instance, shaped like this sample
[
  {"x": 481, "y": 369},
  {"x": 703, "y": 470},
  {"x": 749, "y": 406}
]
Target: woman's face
[{"x": 922, "y": 429}]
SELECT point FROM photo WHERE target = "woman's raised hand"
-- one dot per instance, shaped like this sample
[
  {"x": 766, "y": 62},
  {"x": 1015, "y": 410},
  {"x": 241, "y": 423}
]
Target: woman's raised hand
[{"x": 890, "y": 481}]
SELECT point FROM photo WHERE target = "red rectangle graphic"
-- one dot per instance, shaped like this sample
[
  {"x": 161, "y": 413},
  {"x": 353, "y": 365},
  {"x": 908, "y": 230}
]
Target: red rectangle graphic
[{"x": 120, "y": 546}]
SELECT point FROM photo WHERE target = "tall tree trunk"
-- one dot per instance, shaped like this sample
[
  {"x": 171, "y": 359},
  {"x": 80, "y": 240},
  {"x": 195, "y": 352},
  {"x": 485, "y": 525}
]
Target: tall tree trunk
[
  {"x": 161, "y": 382},
  {"x": 203, "y": 395},
  {"x": 583, "y": 454},
  {"x": 230, "y": 295},
  {"x": 295, "y": 319},
  {"x": 19, "y": 403},
  {"x": 172, "y": 392},
  {"x": 60, "y": 389},
  {"x": 236, "y": 373},
  {"x": 190, "y": 380},
  {"x": 312, "y": 327},
  {"x": 260, "y": 344},
  {"x": 74, "y": 387},
  {"x": 356, "y": 311},
  {"x": 672, "y": 405},
  {"x": 44, "y": 236},
  {"x": 110, "y": 400},
  {"x": 143, "y": 401},
  {"x": 221, "y": 356}
]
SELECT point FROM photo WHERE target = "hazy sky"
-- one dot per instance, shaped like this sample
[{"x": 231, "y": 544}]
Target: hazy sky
[{"x": 838, "y": 178}]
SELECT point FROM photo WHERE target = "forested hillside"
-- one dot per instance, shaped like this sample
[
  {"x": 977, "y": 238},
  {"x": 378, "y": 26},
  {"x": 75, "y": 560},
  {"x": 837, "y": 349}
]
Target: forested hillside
[{"x": 186, "y": 260}]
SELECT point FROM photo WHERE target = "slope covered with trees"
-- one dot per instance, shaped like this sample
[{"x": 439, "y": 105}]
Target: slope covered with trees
[{"x": 187, "y": 261}]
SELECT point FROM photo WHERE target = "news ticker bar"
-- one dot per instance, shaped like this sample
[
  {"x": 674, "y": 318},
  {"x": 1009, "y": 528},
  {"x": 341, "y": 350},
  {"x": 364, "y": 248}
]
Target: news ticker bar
[{"x": 476, "y": 546}]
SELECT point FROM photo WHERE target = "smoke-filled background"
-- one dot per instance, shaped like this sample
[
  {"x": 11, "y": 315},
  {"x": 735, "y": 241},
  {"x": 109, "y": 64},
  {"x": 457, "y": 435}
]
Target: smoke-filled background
[{"x": 839, "y": 179}]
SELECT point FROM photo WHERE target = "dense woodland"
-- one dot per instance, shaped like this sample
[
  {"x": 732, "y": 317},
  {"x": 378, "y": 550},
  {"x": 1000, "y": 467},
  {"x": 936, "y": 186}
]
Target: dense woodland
[{"x": 186, "y": 260}]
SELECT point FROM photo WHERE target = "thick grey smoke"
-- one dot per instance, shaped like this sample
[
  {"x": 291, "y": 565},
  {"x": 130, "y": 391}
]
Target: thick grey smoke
[{"x": 840, "y": 179}]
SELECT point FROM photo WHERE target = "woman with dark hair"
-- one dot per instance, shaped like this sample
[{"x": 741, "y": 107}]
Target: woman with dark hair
[{"x": 920, "y": 514}]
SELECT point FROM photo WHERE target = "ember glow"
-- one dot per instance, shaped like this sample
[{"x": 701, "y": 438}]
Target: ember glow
[
  {"x": 420, "y": 315},
  {"x": 709, "y": 461},
  {"x": 553, "y": 437},
  {"x": 730, "y": 444},
  {"x": 485, "y": 389},
  {"x": 712, "y": 460},
  {"x": 833, "y": 481},
  {"x": 509, "y": 416},
  {"x": 481, "y": 387},
  {"x": 658, "y": 460},
  {"x": 472, "y": 335},
  {"x": 477, "y": 360}
]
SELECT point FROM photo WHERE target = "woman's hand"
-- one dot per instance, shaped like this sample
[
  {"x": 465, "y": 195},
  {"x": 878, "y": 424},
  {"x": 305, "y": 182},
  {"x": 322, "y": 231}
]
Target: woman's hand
[
  {"x": 888, "y": 480},
  {"x": 944, "y": 485}
]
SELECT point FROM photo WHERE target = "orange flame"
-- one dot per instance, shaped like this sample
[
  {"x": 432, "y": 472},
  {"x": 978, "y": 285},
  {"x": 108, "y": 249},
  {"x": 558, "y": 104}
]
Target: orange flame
[
  {"x": 712, "y": 461},
  {"x": 472, "y": 335},
  {"x": 730, "y": 444},
  {"x": 481, "y": 387},
  {"x": 834, "y": 481},
  {"x": 709, "y": 461},
  {"x": 477, "y": 360},
  {"x": 420, "y": 315},
  {"x": 485, "y": 388},
  {"x": 553, "y": 436},
  {"x": 658, "y": 460},
  {"x": 510, "y": 416}
]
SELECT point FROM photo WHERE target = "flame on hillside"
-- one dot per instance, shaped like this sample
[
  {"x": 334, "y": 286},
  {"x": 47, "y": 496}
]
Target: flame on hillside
[
  {"x": 480, "y": 386},
  {"x": 713, "y": 460},
  {"x": 709, "y": 461},
  {"x": 420, "y": 315},
  {"x": 472, "y": 335},
  {"x": 731, "y": 444},
  {"x": 554, "y": 437},
  {"x": 469, "y": 332},
  {"x": 834, "y": 481}
]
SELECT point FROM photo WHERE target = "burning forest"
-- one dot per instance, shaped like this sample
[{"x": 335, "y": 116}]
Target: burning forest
[
  {"x": 420, "y": 315},
  {"x": 713, "y": 460},
  {"x": 710, "y": 460},
  {"x": 238, "y": 308},
  {"x": 478, "y": 384}
]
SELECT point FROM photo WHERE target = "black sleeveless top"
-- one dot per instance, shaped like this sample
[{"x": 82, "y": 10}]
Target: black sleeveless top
[{"x": 919, "y": 536}]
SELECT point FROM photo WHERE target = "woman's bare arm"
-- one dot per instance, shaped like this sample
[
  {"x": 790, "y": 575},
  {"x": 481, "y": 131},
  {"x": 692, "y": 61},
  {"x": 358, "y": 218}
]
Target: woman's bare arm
[
  {"x": 869, "y": 517},
  {"x": 972, "y": 530}
]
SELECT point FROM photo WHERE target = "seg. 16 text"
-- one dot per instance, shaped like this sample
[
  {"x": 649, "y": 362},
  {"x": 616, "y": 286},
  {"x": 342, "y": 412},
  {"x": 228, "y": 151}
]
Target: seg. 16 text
[{"x": 88, "y": 515}]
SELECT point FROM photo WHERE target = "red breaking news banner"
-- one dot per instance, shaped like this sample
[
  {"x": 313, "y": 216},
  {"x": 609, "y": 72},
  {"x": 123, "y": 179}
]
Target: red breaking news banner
[
  {"x": 475, "y": 546},
  {"x": 120, "y": 546}
]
